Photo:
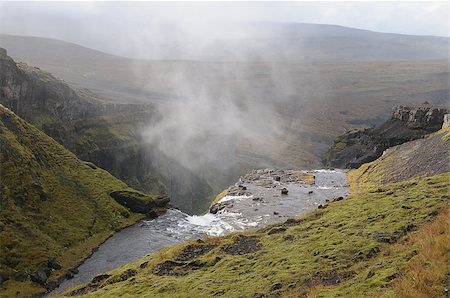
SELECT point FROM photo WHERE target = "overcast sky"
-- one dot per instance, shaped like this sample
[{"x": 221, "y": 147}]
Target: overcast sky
[{"x": 100, "y": 24}]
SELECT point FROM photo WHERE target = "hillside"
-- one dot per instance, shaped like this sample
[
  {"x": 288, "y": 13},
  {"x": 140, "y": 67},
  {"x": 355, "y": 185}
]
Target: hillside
[
  {"x": 96, "y": 130},
  {"x": 375, "y": 243},
  {"x": 260, "y": 41},
  {"x": 55, "y": 208},
  {"x": 422, "y": 157}
]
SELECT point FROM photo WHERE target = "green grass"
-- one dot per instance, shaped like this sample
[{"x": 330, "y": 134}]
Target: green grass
[
  {"x": 52, "y": 205},
  {"x": 352, "y": 241}
]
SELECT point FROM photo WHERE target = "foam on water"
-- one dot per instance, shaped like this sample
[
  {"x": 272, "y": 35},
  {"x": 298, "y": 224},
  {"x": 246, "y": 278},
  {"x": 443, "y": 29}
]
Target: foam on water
[{"x": 234, "y": 198}]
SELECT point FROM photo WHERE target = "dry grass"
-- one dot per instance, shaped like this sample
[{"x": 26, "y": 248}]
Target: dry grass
[{"x": 425, "y": 276}]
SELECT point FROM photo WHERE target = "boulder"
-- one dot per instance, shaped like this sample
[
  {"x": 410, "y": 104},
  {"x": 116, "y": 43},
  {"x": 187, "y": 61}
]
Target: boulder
[
  {"x": 284, "y": 191},
  {"x": 41, "y": 275},
  {"x": 3, "y": 278},
  {"x": 53, "y": 264},
  {"x": 138, "y": 202}
]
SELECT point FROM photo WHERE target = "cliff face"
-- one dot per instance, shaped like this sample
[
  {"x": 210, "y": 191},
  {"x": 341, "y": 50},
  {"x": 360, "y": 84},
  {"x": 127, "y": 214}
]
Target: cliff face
[
  {"x": 29, "y": 91},
  {"x": 101, "y": 132},
  {"x": 421, "y": 117},
  {"x": 361, "y": 146}
]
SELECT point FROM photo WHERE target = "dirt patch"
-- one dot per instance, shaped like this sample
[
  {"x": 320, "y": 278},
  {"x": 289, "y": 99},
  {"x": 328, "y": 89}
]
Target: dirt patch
[
  {"x": 167, "y": 268},
  {"x": 96, "y": 282},
  {"x": 293, "y": 222},
  {"x": 174, "y": 268},
  {"x": 328, "y": 278},
  {"x": 243, "y": 245},
  {"x": 124, "y": 276},
  {"x": 277, "y": 230},
  {"x": 193, "y": 251},
  {"x": 94, "y": 285}
]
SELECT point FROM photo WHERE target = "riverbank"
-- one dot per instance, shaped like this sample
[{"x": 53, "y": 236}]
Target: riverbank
[{"x": 261, "y": 205}]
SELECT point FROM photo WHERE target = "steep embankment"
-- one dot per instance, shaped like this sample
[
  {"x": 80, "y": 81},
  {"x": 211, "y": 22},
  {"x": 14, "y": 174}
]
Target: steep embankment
[
  {"x": 55, "y": 208},
  {"x": 422, "y": 157},
  {"x": 107, "y": 134},
  {"x": 357, "y": 147},
  {"x": 374, "y": 243}
]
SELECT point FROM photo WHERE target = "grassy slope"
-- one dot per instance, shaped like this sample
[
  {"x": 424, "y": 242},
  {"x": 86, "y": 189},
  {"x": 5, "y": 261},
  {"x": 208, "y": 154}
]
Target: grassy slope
[
  {"x": 385, "y": 240},
  {"x": 52, "y": 205},
  {"x": 417, "y": 158}
]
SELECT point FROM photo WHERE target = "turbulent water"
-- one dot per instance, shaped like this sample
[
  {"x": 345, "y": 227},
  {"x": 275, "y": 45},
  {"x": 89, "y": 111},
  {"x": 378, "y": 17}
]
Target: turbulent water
[{"x": 261, "y": 205}]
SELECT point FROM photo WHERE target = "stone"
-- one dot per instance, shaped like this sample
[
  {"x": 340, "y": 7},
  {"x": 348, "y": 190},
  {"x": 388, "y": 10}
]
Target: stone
[
  {"x": 136, "y": 202},
  {"x": 446, "y": 122},
  {"x": 41, "y": 275},
  {"x": 70, "y": 275},
  {"x": 276, "y": 286},
  {"x": 20, "y": 276},
  {"x": 100, "y": 278},
  {"x": 276, "y": 230},
  {"x": 152, "y": 214},
  {"x": 3, "y": 278},
  {"x": 284, "y": 191},
  {"x": 53, "y": 264}
]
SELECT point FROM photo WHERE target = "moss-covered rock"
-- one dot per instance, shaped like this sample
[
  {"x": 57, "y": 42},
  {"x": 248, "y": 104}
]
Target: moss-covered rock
[{"x": 139, "y": 202}]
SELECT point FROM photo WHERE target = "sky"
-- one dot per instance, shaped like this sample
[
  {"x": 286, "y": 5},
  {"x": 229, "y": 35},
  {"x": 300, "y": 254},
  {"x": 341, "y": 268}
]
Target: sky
[{"x": 100, "y": 24}]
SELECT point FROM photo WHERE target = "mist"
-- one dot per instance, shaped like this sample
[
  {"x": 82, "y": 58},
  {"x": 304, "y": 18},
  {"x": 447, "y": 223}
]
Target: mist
[{"x": 242, "y": 85}]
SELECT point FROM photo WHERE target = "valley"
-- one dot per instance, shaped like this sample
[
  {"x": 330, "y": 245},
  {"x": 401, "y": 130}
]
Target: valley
[{"x": 280, "y": 160}]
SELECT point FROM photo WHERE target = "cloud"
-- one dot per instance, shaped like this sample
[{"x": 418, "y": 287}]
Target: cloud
[{"x": 108, "y": 25}]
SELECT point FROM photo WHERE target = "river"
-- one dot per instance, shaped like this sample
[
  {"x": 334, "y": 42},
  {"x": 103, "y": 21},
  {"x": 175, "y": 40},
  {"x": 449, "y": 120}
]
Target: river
[{"x": 260, "y": 206}]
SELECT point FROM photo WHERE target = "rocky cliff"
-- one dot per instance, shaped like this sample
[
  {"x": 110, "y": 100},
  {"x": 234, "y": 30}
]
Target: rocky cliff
[
  {"x": 33, "y": 93},
  {"x": 107, "y": 134},
  {"x": 406, "y": 123}
]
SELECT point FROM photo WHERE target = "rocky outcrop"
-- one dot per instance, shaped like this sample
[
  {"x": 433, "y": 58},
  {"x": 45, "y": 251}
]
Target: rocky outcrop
[
  {"x": 357, "y": 147},
  {"x": 104, "y": 133},
  {"x": 140, "y": 203},
  {"x": 424, "y": 117},
  {"x": 446, "y": 121},
  {"x": 28, "y": 91},
  {"x": 33, "y": 93}
]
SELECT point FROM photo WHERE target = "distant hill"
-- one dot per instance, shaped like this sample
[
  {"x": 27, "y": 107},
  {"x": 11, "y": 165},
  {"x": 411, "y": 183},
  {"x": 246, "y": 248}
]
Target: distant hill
[
  {"x": 304, "y": 104},
  {"x": 252, "y": 42}
]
